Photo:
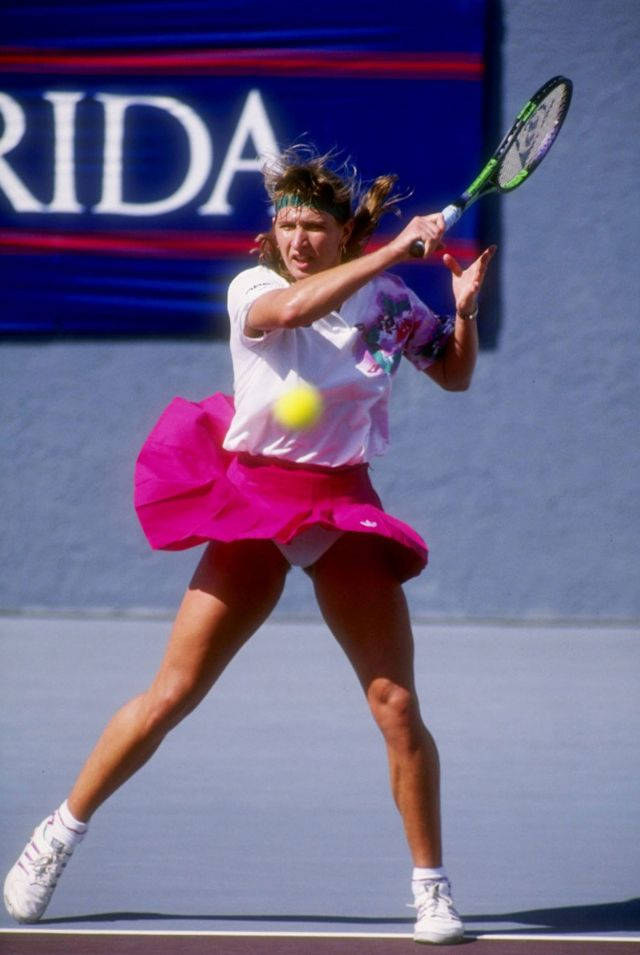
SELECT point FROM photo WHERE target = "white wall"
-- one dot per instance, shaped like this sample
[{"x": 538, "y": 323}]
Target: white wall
[{"x": 526, "y": 487}]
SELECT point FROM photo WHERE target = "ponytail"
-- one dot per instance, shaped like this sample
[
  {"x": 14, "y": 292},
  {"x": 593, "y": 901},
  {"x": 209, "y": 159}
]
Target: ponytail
[{"x": 372, "y": 206}]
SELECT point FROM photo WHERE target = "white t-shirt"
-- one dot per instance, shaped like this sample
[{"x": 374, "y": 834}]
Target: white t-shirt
[{"x": 350, "y": 355}]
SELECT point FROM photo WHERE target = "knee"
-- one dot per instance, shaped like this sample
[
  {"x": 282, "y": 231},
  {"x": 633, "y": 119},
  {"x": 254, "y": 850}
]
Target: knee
[
  {"x": 164, "y": 707},
  {"x": 396, "y": 711}
]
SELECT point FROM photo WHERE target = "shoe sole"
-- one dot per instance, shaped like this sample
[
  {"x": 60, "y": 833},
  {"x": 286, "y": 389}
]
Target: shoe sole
[
  {"x": 8, "y": 904},
  {"x": 424, "y": 939}
]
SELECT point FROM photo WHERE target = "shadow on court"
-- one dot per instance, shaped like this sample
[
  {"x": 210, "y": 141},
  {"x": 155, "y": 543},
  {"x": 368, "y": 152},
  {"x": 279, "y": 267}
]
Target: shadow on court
[{"x": 607, "y": 917}]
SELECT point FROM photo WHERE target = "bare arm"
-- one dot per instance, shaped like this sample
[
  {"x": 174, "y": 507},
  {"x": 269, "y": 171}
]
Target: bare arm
[
  {"x": 454, "y": 370},
  {"x": 312, "y": 297}
]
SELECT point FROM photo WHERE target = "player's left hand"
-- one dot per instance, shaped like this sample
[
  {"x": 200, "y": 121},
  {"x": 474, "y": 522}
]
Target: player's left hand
[{"x": 466, "y": 283}]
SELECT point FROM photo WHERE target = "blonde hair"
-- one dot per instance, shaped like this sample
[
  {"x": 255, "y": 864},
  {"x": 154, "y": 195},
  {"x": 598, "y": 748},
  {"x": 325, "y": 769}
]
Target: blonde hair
[{"x": 301, "y": 176}]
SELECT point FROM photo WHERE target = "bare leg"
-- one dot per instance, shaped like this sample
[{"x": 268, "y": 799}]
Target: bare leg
[
  {"x": 233, "y": 590},
  {"x": 366, "y": 610}
]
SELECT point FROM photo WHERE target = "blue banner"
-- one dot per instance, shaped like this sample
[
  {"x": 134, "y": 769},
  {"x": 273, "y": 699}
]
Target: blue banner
[{"x": 132, "y": 137}]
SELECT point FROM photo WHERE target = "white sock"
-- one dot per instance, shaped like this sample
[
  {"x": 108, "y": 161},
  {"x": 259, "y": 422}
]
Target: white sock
[
  {"x": 64, "y": 827},
  {"x": 421, "y": 875}
]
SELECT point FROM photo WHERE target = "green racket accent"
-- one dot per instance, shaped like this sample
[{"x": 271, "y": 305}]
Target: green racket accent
[
  {"x": 526, "y": 111},
  {"x": 516, "y": 180},
  {"x": 480, "y": 180}
]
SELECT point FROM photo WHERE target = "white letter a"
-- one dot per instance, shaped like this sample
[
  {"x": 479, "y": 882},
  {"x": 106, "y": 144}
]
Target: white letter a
[{"x": 253, "y": 123}]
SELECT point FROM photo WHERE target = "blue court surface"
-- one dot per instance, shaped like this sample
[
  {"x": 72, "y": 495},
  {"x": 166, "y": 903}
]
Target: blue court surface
[{"x": 268, "y": 809}]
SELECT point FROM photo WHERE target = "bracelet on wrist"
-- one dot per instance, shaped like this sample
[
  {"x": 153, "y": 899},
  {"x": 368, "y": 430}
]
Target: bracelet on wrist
[{"x": 468, "y": 317}]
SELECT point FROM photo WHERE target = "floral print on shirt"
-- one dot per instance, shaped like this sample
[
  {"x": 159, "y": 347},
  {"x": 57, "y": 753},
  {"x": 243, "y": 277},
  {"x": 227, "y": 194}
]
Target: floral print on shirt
[{"x": 400, "y": 324}]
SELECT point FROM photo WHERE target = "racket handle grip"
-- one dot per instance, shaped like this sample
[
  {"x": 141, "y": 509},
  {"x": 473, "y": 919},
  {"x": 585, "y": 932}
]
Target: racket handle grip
[{"x": 451, "y": 214}]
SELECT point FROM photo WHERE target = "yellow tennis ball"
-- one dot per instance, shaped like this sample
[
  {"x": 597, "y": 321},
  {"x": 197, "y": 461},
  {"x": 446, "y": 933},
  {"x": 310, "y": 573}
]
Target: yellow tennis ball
[{"x": 299, "y": 408}]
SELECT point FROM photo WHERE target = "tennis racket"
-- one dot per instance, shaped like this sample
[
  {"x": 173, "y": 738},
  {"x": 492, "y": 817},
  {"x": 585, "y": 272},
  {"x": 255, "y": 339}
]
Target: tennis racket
[{"x": 530, "y": 138}]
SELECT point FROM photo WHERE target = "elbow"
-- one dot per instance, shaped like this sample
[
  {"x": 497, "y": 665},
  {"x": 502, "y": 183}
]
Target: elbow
[
  {"x": 290, "y": 316},
  {"x": 294, "y": 311},
  {"x": 300, "y": 311},
  {"x": 270, "y": 314},
  {"x": 458, "y": 377},
  {"x": 457, "y": 384}
]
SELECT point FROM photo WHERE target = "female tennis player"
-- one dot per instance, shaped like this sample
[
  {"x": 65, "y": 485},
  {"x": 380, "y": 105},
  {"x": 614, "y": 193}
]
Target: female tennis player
[{"x": 225, "y": 472}]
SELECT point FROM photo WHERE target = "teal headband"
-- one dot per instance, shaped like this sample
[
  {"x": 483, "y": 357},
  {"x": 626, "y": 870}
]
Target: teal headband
[{"x": 339, "y": 212}]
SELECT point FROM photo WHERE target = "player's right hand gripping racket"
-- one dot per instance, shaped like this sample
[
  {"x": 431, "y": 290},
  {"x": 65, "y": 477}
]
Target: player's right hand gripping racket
[{"x": 530, "y": 138}]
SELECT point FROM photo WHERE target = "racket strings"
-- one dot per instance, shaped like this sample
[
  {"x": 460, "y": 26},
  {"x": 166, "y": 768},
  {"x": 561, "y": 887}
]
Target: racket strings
[{"x": 533, "y": 140}]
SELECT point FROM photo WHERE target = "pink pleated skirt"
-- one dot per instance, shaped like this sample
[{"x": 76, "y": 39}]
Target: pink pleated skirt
[{"x": 189, "y": 490}]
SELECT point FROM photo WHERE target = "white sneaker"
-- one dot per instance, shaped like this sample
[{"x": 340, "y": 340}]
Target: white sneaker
[
  {"x": 437, "y": 921},
  {"x": 29, "y": 886}
]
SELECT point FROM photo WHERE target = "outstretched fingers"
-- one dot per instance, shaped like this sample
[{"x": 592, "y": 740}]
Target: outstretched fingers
[
  {"x": 452, "y": 264},
  {"x": 477, "y": 269},
  {"x": 482, "y": 262}
]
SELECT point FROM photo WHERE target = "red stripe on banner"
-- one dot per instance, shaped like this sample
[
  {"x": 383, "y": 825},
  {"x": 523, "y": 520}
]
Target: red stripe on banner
[
  {"x": 273, "y": 62},
  {"x": 196, "y": 245},
  {"x": 164, "y": 244}
]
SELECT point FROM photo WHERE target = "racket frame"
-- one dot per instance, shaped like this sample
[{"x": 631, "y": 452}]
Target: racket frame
[{"x": 486, "y": 182}]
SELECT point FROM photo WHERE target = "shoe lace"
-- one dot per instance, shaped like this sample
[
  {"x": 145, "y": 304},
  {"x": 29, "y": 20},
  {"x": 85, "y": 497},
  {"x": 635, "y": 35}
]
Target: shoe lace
[
  {"x": 435, "y": 901},
  {"x": 48, "y": 865}
]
